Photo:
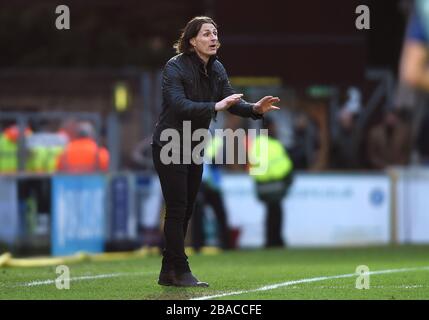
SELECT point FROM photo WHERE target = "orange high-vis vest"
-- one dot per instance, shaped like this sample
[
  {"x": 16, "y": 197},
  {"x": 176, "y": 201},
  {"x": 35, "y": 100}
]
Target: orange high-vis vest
[{"x": 83, "y": 155}]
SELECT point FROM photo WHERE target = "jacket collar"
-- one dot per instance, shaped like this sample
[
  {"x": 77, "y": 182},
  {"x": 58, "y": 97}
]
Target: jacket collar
[{"x": 200, "y": 63}]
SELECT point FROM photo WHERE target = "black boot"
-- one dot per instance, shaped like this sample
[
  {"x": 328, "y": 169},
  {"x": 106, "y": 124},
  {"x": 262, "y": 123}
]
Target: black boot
[
  {"x": 167, "y": 278},
  {"x": 187, "y": 279},
  {"x": 167, "y": 274}
]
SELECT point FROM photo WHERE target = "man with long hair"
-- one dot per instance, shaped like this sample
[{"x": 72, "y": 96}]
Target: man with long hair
[{"x": 195, "y": 87}]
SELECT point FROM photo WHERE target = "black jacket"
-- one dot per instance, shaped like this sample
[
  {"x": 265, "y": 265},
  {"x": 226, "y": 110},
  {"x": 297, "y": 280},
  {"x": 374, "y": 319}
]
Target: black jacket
[{"x": 189, "y": 92}]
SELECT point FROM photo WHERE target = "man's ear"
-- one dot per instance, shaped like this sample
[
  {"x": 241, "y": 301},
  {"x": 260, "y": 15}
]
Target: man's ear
[{"x": 192, "y": 41}]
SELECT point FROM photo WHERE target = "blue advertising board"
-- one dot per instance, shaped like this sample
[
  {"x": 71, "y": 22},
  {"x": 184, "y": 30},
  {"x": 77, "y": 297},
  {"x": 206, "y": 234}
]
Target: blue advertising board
[
  {"x": 78, "y": 214},
  {"x": 9, "y": 218},
  {"x": 119, "y": 202}
]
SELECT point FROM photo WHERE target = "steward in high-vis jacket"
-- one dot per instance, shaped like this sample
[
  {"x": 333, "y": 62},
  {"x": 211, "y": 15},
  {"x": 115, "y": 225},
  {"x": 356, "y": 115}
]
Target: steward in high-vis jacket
[
  {"x": 273, "y": 182},
  {"x": 9, "y": 148}
]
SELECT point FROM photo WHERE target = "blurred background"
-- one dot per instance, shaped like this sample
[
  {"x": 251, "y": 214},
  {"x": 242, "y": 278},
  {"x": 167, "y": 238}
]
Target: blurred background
[{"x": 78, "y": 107}]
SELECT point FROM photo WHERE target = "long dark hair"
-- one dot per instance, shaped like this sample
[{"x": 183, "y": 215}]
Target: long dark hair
[{"x": 190, "y": 31}]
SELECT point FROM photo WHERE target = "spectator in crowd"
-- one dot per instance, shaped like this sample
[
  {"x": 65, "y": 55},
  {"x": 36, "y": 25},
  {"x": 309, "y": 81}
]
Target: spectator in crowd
[
  {"x": 354, "y": 101},
  {"x": 305, "y": 143},
  {"x": 422, "y": 141},
  {"x": 345, "y": 145},
  {"x": 69, "y": 129},
  {"x": 414, "y": 72},
  {"x": 9, "y": 148},
  {"x": 82, "y": 154},
  {"x": 142, "y": 154},
  {"x": 415, "y": 54},
  {"x": 44, "y": 146},
  {"x": 389, "y": 142}
]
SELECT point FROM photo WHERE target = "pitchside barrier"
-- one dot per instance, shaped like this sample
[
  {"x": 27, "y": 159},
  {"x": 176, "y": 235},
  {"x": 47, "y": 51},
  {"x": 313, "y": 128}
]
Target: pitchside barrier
[
  {"x": 65, "y": 214},
  {"x": 411, "y": 199}
]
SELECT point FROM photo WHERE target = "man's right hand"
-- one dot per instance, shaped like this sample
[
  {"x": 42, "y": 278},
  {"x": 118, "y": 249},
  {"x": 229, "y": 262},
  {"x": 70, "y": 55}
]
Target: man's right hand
[{"x": 228, "y": 102}]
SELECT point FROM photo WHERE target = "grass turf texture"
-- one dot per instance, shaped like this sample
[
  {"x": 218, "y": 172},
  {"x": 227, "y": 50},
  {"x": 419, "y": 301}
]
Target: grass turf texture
[{"x": 236, "y": 271}]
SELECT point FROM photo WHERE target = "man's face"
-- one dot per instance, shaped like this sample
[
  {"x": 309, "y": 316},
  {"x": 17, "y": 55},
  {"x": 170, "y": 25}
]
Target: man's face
[{"x": 206, "y": 42}]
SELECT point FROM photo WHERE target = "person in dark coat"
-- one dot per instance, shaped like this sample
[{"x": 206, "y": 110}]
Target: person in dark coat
[{"x": 195, "y": 87}]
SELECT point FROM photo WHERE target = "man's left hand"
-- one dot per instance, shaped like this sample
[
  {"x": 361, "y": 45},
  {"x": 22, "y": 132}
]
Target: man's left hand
[{"x": 266, "y": 105}]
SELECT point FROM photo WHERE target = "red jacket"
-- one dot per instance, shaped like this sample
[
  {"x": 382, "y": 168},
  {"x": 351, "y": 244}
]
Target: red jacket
[{"x": 83, "y": 155}]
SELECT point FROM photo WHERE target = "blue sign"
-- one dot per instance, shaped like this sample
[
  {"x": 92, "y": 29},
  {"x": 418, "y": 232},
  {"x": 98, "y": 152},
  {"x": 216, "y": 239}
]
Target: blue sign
[
  {"x": 376, "y": 197},
  {"x": 119, "y": 194},
  {"x": 9, "y": 218},
  {"x": 78, "y": 214}
]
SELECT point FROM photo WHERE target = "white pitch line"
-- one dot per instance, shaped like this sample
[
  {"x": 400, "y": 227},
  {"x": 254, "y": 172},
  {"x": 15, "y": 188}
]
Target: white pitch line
[
  {"x": 372, "y": 287},
  {"x": 289, "y": 283},
  {"x": 98, "y": 276}
]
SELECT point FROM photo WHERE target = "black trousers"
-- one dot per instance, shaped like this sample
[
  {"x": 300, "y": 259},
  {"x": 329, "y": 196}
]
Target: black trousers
[
  {"x": 213, "y": 198},
  {"x": 273, "y": 224},
  {"x": 179, "y": 184}
]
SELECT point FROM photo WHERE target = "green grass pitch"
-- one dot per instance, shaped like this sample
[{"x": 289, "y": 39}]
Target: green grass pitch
[{"x": 291, "y": 273}]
